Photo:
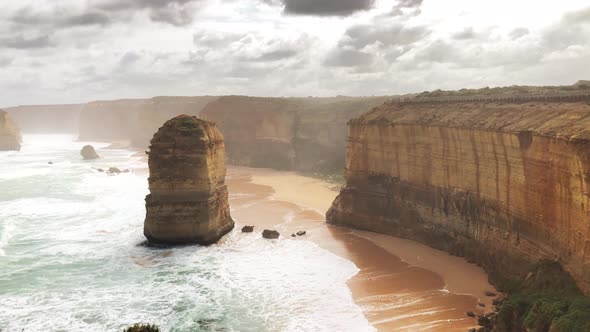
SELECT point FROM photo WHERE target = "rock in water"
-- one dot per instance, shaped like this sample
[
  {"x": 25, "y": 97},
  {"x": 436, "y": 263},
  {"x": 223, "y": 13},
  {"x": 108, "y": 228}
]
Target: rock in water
[
  {"x": 268, "y": 234},
  {"x": 188, "y": 200},
  {"x": 247, "y": 229},
  {"x": 9, "y": 133},
  {"x": 88, "y": 153}
]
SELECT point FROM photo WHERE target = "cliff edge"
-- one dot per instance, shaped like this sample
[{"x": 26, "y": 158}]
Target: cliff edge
[
  {"x": 10, "y": 136},
  {"x": 505, "y": 183}
]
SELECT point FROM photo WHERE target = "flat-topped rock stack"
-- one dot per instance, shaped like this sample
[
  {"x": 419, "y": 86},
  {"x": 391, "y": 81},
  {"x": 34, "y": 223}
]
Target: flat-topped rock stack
[
  {"x": 188, "y": 200},
  {"x": 9, "y": 133}
]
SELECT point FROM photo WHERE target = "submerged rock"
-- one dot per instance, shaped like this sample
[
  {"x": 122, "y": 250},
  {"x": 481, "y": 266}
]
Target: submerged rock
[
  {"x": 247, "y": 229},
  {"x": 10, "y": 137},
  {"x": 301, "y": 233},
  {"x": 270, "y": 234},
  {"x": 89, "y": 153},
  {"x": 188, "y": 200}
]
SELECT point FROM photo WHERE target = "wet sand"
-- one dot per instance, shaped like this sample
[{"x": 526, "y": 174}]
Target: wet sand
[{"x": 401, "y": 285}]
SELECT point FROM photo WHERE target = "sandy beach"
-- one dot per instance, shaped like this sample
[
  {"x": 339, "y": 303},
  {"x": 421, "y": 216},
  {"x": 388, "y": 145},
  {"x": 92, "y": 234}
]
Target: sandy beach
[{"x": 401, "y": 286}]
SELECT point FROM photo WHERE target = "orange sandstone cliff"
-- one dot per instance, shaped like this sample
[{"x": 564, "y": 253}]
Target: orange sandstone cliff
[
  {"x": 10, "y": 136},
  {"x": 306, "y": 134},
  {"x": 502, "y": 181}
]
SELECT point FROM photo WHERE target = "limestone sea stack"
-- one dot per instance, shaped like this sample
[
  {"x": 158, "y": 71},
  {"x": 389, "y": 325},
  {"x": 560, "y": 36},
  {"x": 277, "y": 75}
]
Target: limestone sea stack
[
  {"x": 89, "y": 153},
  {"x": 188, "y": 200},
  {"x": 10, "y": 137}
]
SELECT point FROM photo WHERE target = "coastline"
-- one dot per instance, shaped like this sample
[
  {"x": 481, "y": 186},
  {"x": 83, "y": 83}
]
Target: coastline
[{"x": 402, "y": 285}]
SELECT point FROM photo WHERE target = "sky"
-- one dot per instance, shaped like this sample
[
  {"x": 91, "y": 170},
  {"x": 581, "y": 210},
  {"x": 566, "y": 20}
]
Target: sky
[{"x": 71, "y": 51}]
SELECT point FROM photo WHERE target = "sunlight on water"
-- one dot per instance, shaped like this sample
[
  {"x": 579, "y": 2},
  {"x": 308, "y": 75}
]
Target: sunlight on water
[{"x": 70, "y": 259}]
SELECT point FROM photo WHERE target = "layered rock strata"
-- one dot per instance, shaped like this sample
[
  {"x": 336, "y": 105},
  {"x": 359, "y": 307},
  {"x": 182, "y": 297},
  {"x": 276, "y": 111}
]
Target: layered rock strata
[
  {"x": 10, "y": 136},
  {"x": 188, "y": 200},
  {"x": 505, "y": 184}
]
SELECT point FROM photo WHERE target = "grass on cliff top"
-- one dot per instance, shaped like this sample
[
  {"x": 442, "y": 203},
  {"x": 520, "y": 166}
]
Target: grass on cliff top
[
  {"x": 548, "y": 300},
  {"x": 509, "y": 90}
]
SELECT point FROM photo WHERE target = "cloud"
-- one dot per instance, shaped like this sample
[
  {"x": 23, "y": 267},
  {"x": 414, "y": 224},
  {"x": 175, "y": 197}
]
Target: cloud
[
  {"x": 519, "y": 32},
  {"x": 326, "y": 7},
  {"x": 22, "y": 42},
  {"x": 28, "y": 16},
  {"x": 467, "y": 33},
  {"x": 576, "y": 17},
  {"x": 348, "y": 58},
  {"x": 5, "y": 61},
  {"x": 359, "y": 36},
  {"x": 85, "y": 19},
  {"x": 173, "y": 12}
]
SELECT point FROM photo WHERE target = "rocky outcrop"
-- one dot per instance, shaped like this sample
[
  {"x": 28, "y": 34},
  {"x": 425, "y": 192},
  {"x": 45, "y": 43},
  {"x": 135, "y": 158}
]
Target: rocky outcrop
[
  {"x": 47, "y": 119},
  {"x": 10, "y": 137},
  {"x": 89, "y": 153},
  {"x": 188, "y": 200},
  {"x": 305, "y": 134},
  {"x": 505, "y": 184},
  {"x": 134, "y": 120}
]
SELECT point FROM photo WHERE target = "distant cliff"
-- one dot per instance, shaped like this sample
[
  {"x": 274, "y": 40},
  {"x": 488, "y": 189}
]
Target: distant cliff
[
  {"x": 10, "y": 136},
  {"x": 503, "y": 182},
  {"x": 306, "y": 134},
  {"x": 44, "y": 119},
  {"x": 134, "y": 119}
]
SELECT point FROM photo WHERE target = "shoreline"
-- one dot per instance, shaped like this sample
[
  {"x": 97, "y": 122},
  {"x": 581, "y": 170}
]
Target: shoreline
[{"x": 393, "y": 271}]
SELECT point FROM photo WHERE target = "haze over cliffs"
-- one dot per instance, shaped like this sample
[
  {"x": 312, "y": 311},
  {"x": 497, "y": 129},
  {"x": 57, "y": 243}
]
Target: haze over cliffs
[
  {"x": 44, "y": 119},
  {"x": 305, "y": 134},
  {"x": 133, "y": 119},
  {"x": 503, "y": 180},
  {"x": 9, "y": 133}
]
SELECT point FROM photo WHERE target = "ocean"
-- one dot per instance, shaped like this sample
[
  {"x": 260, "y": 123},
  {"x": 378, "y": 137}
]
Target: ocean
[{"x": 71, "y": 258}]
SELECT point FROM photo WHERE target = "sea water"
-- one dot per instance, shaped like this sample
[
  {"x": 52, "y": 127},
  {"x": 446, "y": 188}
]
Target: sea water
[{"x": 71, "y": 258}]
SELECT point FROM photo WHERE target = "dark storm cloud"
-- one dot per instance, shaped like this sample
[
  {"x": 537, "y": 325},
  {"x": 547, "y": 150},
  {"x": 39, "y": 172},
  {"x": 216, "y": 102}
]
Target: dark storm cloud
[
  {"x": 326, "y": 7},
  {"x": 22, "y": 42}
]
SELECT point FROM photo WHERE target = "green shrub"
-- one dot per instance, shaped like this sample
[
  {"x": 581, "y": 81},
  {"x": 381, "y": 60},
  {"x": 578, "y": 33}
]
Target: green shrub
[{"x": 142, "y": 328}]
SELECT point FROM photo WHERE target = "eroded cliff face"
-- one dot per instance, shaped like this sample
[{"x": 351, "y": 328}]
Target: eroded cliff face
[
  {"x": 188, "y": 200},
  {"x": 10, "y": 136},
  {"x": 133, "y": 119},
  {"x": 305, "y": 134},
  {"x": 503, "y": 184}
]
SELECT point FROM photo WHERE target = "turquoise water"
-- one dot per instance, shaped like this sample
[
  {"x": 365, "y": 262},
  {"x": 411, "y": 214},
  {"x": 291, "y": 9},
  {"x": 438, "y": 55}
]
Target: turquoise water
[{"x": 70, "y": 259}]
